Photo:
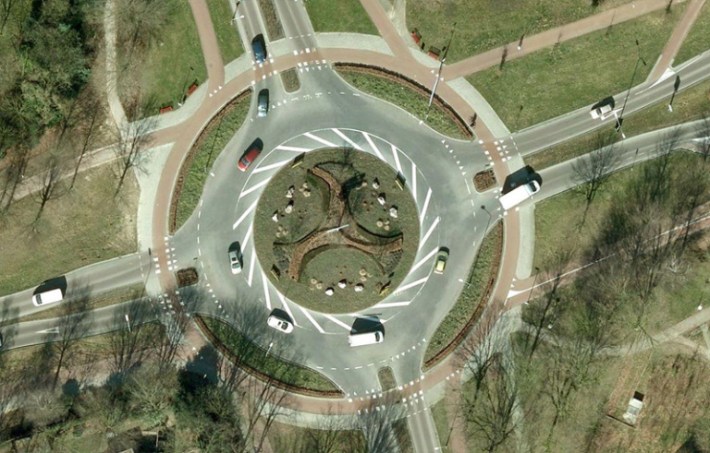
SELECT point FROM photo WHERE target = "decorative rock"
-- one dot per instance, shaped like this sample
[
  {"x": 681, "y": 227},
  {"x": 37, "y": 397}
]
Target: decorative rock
[
  {"x": 362, "y": 271},
  {"x": 319, "y": 285},
  {"x": 313, "y": 281},
  {"x": 387, "y": 227},
  {"x": 363, "y": 184},
  {"x": 307, "y": 193},
  {"x": 363, "y": 278},
  {"x": 376, "y": 184},
  {"x": 342, "y": 284},
  {"x": 329, "y": 292},
  {"x": 393, "y": 212},
  {"x": 381, "y": 199},
  {"x": 278, "y": 234},
  {"x": 289, "y": 193},
  {"x": 359, "y": 288},
  {"x": 379, "y": 223},
  {"x": 289, "y": 207},
  {"x": 275, "y": 217}
]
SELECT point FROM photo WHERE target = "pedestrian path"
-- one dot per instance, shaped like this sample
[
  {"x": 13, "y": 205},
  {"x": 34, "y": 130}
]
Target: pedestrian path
[{"x": 553, "y": 36}]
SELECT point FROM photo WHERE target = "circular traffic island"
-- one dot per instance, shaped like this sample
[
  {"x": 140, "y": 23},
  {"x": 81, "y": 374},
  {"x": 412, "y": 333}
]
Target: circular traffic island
[{"x": 336, "y": 231}]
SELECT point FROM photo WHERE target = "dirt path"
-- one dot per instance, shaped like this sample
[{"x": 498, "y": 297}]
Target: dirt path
[{"x": 551, "y": 37}]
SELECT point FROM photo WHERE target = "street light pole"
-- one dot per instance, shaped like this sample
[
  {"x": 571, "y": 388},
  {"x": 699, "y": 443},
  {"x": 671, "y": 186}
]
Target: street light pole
[
  {"x": 438, "y": 73},
  {"x": 620, "y": 119},
  {"x": 490, "y": 217}
]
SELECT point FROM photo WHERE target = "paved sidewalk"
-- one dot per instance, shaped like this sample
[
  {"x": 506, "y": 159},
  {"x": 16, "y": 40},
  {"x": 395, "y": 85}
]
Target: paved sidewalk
[
  {"x": 676, "y": 40},
  {"x": 549, "y": 38}
]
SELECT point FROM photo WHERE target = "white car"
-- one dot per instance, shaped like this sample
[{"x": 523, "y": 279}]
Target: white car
[
  {"x": 601, "y": 111},
  {"x": 280, "y": 324},
  {"x": 235, "y": 259}
]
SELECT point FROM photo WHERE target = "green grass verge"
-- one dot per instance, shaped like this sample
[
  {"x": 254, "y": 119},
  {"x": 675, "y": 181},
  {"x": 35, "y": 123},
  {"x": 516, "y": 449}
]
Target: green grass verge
[
  {"x": 441, "y": 422},
  {"x": 267, "y": 364},
  {"x": 386, "y": 378},
  {"x": 557, "y": 225},
  {"x": 339, "y": 16},
  {"x": 82, "y": 226},
  {"x": 211, "y": 142},
  {"x": 273, "y": 25},
  {"x": 550, "y": 82},
  {"x": 230, "y": 45},
  {"x": 484, "y": 24},
  {"x": 698, "y": 39},
  {"x": 688, "y": 105},
  {"x": 163, "y": 72},
  {"x": 479, "y": 277},
  {"x": 106, "y": 299},
  {"x": 404, "y": 96}
]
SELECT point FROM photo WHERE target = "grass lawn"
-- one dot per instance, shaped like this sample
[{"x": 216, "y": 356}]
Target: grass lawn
[
  {"x": 230, "y": 44},
  {"x": 291, "y": 438},
  {"x": 484, "y": 24},
  {"x": 469, "y": 300},
  {"x": 163, "y": 72},
  {"x": 273, "y": 25},
  {"x": 386, "y": 378},
  {"x": 553, "y": 81},
  {"x": 335, "y": 260},
  {"x": 404, "y": 96},
  {"x": 698, "y": 39},
  {"x": 270, "y": 365},
  {"x": 688, "y": 105},
  {"x": 289, "y": 78},
  {"x": 557, "y": 225},
  {"x": 339, "y": 16},
  {"x": 675, "y": 407},
  {"x": 81, "y": 227},
  {"x": 441, "y": 421},
  {"x": 211, "y": 142}
]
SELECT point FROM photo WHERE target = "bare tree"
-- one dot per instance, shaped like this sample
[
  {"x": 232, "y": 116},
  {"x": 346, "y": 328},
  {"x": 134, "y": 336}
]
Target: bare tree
[
  {"x": 593, "y": 169},
  {"x": 5, "y": 10},
  {"x": 132, "y": 139},
  {"x": 90, "y": 111},
  {"x": 168, "y": 341},
  {"x": 376, "y": 423},
  {"x": 13, "y": 175},
  {"x": 129, "y": 345},
  {"x": 702, "y": 140},
  {"x": 73, "y": 324},
  {"x": 493, "y": 417},
  {"x": 479, "y": 349},
  {"x": 49, "y": 184}
]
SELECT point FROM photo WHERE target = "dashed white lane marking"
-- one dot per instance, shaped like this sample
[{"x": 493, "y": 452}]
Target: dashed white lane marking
[
  {"x": 423, "y": 260},
  {"x": 320, "y": 140},
  {"x": 338, "y": 322},
  {"x": 297, "y": 149},
  {"x": 271, "y": 166},
  {"x": 396, "y": 159},
  {"x": 372, "y": 145},
  {"x": 251, "y": 272},
  {"x": 393, "y": 304},
  {"x": 266, "y": 291},
  {"x": 347, "y": 139},
  {"x": 247, "y": 237},
  {"x": 310, "y": 318},
  {"x": 253, "y": 188},
  {"x": 428, "y": 233},
  {"x": 244, "y": 216},
  {"x": 414, "y": 181},
  {"x": 410, "y": 285},
  {"x": 426, "y": 205},
  {"x": 286, "y": 307}
]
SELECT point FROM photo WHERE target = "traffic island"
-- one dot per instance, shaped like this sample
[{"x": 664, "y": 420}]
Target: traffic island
[{"x": 337, "y": 230}]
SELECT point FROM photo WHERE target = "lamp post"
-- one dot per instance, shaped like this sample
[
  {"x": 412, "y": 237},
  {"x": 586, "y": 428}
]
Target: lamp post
[
  {"x": 676, "y": 85},
  {"x": 490, "y": 217},
  {"x": 620, "y": 118},
  {"x": 128, "y": 323},
  {"x": 438, "y": 73}
]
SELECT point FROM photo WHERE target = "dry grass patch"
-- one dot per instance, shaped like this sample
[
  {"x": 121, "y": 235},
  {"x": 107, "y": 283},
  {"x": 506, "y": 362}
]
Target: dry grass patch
[{"x": 82, "y": 226}]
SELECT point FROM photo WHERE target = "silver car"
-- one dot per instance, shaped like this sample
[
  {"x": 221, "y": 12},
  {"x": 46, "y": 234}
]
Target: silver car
[
  {"x": 235, "y": 258},
  {"x": 280, "y": 324}
]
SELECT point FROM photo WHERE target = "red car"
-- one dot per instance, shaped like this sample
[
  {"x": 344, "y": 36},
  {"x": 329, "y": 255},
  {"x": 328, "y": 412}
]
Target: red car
[{"x": 248, "y": 157}]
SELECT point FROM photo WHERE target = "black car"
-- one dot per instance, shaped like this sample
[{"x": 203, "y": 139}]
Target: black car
[{"x": 258, "y": 46}]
